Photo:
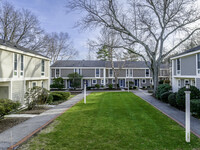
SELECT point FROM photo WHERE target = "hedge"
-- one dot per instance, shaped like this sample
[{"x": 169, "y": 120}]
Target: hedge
[
  {"x": 162, "y": 88},
  {"x": 164, "y": 96},
  {"x": 7, "y": 105},
  {"x": 60, "y": 95},
  {"x": 195, "y": 106},
  {"x": 172, "y": 99}
]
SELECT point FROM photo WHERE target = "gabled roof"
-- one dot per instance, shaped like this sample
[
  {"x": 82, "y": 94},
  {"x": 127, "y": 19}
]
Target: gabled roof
[
  {"x": 101, "y": 63},
  {"x": 188, "y": 52},
  {"x": 20, "y": 48}
]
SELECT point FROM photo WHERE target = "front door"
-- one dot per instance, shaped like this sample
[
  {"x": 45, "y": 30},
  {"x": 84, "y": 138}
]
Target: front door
[{"x": 136, "y": 82}]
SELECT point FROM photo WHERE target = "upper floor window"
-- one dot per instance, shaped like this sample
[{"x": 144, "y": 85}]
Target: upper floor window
[
  {"x": 129, "y": 73},
  {"x": 198, "y": 63},
  {"x": 147, "y": 73},
  {"x": 178, "y": 66},
  {"x": 43, "y": 68},
  {"x": 97, "y": 73},
  {"x": 78, "y": 70},
  {"x": 57, "y": 73},
  {"x": 15, "y": 64},
  {"x": 110, "y": 73},
  {"x": 22, "y": 65}
]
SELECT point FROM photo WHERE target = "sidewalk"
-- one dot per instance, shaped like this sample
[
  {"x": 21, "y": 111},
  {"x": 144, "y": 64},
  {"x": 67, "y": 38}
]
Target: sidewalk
[
  {"x": 20, "y": 133},
  {"x": 173, "y": 113}
]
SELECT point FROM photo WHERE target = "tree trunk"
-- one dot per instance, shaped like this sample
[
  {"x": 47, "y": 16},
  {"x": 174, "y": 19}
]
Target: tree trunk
[{"x": 155, "y": 72}]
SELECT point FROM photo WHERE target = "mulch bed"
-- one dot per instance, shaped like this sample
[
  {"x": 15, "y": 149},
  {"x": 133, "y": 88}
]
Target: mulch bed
[
  {"x": 7, "y": 123},
  {"x": 37, "y": 110}
]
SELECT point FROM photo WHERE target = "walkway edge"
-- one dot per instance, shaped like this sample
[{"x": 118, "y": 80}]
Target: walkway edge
[
  {"x": 169, "y": 116},
  {"x": 39, "y": 129}
]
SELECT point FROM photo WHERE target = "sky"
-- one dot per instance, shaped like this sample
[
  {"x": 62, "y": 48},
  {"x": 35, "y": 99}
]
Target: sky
[{"x": 54, "y": 18}]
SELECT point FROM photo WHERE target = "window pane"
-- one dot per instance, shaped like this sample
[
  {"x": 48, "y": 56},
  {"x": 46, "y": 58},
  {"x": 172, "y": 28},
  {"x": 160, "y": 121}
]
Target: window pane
[
  {"x": 198, "y": 59},
  {"x": 178, "y": 64},
  {"x": 22, "y": 62},
  {"x": 15, "y": 62}
]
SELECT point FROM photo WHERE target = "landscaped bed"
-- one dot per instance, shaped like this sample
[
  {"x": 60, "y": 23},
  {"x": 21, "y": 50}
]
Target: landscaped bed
[{"x": 113, "y": 120}]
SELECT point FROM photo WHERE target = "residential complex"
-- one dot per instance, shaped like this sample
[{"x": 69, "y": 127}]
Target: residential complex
[
  {"x": 21, "y": 69},
  {"x": 101, "y": 72},
  {"x": 186, "y": 69}
]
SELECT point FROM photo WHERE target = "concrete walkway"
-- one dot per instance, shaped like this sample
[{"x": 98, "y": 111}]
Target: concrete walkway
[
  {"x": 173, "y": 113},
  {"x": 21, "y": 132}
]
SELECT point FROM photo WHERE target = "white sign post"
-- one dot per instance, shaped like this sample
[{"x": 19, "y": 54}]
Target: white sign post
[
  {"x": 187, "y": 114},
  {"x": 85, "y": 92}
]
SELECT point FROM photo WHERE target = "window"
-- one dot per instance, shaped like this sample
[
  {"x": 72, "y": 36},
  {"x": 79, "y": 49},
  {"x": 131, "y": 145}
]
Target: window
[
  {"x": 193, "y": 82},
  {"x": 198, "y": 63},
  {"x": 97, "y": 73},
  {"x": 42, "y": 68},
  {"x": 57, "y": 72},
  {"x": 179, "y": 83},
  {"x": 94, "y": 81},
  {"x": 178, "y": 65},
  {"x": 186, "y": 81},
  {"x": 34, "y": 84},
  {"x": 106, "y": 81},
  {"x": 151, "y": 81},
  {"x": 143, "y": 81},
  {"x": 42, "y": 84},
  {"x": 22, "y": 65},
  {"x": 113, "y": 81},
  {"x": 52, "y": 72},
  {"x": 147, "y": 74},
  {"x": 129, "y": 72},
  {"x": 102, "y": 81},
  {"x": 15, "y": 64},
  {"x": 78, "y": 70},
  {"x": 110, "y": 73}
]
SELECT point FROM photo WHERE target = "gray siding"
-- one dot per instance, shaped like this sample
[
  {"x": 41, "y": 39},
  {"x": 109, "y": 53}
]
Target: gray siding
[
  {"x": 66, "y": 72},
  {"x": 145, "y": 84},
  {"x": 198, "y": 83},
  {"x": 121, "y": 72},
  {"x": 174, "y": 67},
  {"x": 188, "y": 65},
  {"x": 88, "y": 72},
  {"x": 138, "y": 72}
]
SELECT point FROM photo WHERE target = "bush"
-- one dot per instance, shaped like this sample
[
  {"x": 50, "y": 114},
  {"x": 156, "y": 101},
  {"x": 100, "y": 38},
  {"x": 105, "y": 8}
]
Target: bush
[
  {"x": 57, "y": 96},
  {"x": 7, "y": 105},
  {"x": 110, "y": 86},
  {"x": 172, "y": 99},
  {"x": 167, "y": 81},
  {"x": 195, "y": 94},
  {"x": 58, "y": 83},
  {"x": 161, "y": 82},
  {"x": 162, "y": 88},
  {"x": 97, "y": 86},
  {"x": 89, "y": 88},
  {"x": 195, "y": 106},
  {"x": 164, "y": 96}
]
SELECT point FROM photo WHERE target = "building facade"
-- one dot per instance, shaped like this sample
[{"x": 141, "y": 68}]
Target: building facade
[
  {"x": 101, "y": 72},
  {"x": 21, "y": 69},
  {"x": 186, "y": 69}
]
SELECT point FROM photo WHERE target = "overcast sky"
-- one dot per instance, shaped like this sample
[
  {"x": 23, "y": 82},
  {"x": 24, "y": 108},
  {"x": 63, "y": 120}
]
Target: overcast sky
[{"x": 53, "y": 18}]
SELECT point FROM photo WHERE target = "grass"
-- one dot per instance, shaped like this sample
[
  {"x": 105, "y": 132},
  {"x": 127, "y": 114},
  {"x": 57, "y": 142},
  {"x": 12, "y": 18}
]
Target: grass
[{"x": 113, "y": 120}]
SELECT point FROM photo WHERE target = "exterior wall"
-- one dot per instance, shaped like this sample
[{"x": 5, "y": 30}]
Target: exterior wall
[
  {"x": 198, "y": 83},
  {"x": 138, "y": 72},
  {"x": 121, "y": 72},
  {"x": 88, "y": 72},
  {"x": 188, "y": 65},
  {"x": 18, "y": 91},
  {"x": 6, "y": 64},
  {"x": 65, "y": 72}
]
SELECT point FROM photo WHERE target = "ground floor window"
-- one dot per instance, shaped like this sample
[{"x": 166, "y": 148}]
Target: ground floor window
[
  {"x": 94, "y": 81},
  {"x": 143, "y": 81},
  {"x": 34, "y": 84},
  {"x": 102, "y": 81},
  {"x": 179, "y": 83}
]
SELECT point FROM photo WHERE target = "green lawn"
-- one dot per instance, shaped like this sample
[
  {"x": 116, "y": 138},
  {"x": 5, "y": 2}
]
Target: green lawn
[{"x": 117, "y": 120}]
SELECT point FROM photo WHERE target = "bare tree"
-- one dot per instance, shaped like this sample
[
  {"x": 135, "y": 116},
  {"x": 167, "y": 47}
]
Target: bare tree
[
  {"x": 58, "y": 46},
  {"x": 146, "y": 27},
  {"x": 19, "y": 26}
]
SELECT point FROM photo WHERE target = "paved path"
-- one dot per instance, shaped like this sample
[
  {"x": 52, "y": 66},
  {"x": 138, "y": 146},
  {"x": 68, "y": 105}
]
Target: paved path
[
  {"x": 23, "y": 131},
  {"x": 173, "y": 113}
]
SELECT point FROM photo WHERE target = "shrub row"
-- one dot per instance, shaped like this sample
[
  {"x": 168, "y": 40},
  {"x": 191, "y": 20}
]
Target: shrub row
[
  {"x": 7, "y": 105},
  {"x": 57, "y": 96},
  {"x": 178, "y": 99}
]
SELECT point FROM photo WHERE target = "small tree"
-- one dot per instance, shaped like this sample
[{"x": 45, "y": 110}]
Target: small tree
[
  {"x": 58, "y": 83},
  {"x": 75, "y": 79}
]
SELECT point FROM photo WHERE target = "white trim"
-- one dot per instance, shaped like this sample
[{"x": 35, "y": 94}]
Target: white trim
[
  {"x": 183, "y": 55},
  {"x": 15, "y": 71},
  {"x": 96, "y": 72},
  {"x": 178, "y": 72},
  {"x": 94, "y": 80},
  {"x": 22, "y": 71},
  {"x": 6, "y": 48},
  {"x": 113, "y": 80}
]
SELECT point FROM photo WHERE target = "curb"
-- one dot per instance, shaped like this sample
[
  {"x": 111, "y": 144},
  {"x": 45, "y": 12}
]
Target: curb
[
  {"x": 37, "y": 130},
  {"x": 170, "y": 117}
]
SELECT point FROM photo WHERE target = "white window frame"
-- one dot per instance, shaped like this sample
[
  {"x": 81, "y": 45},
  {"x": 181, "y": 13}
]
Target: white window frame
[
  {"x": 56, "y": 73},
  {"x": 146, "y": 73},
  {"x": 33, "y": 83},
  {"x": 15, "y": 71},
  {"x": 94, "y": 80},
  {"x": 143, "y": 80},
  {"x": 179, "y": 83},
  {"x": 42, "y": 71},
  {"x": 96, "y": 72},
  {"x": 191, "y": 82},
  {"x": 113, "y": 81},
  {"x": 102, "y": 81},
  {"x": 21, "y": 63},
  {"x": 129, "y": 72},
  {"x": 198, "y": 69},
  {"x": 78, "y": 70},
  {"x": 110, "y": 74},
  {"x": 178, "y": 72}
]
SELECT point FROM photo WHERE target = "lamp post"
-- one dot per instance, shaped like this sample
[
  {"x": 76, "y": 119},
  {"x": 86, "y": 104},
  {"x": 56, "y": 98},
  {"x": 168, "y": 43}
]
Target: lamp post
[
  {"x": 85, "y": 91},
  {"x": 187, "y": 113}
]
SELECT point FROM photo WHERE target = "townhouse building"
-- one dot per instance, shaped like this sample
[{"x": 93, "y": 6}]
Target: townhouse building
[
  {"x": 21, "y": 69},
  {"x": 186, "y": 69},
  {"x": 101, "y": 72}
]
